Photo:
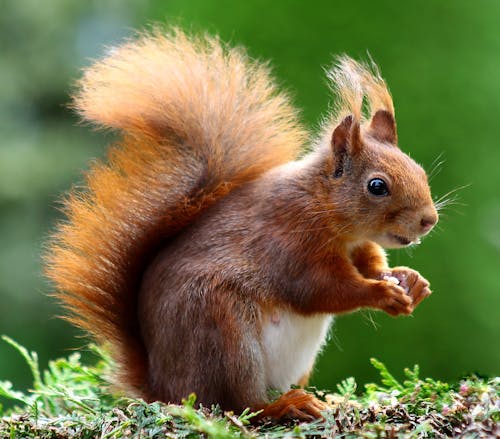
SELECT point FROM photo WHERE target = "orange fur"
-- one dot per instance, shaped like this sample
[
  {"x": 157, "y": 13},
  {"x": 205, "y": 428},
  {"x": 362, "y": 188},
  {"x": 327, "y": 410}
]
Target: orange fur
[
  {"x": 202, "y": 221},
  {"x": 197, "y": 119},
  {"x": 295, "y": 404}
]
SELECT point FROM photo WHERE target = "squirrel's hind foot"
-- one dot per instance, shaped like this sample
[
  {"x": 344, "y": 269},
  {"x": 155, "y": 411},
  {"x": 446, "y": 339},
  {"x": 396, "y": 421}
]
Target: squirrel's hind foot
[{"x": 296, "y": 404}]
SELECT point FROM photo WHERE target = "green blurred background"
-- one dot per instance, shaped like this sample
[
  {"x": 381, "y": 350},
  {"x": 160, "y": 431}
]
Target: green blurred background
[{"x": 442, "y": 62}]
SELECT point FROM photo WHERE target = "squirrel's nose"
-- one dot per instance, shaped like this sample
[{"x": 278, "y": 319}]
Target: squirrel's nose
[{"x": 427, "y": 222}]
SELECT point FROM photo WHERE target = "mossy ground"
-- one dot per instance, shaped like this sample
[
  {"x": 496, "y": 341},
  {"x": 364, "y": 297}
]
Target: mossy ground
[{"x": 70, "y": 400}]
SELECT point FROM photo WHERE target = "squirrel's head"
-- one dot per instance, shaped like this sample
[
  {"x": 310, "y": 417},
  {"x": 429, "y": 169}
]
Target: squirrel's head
[{"x": 383, "y": 193}]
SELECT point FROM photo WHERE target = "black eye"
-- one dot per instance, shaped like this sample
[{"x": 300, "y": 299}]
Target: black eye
[{"x": 378, "y": 187}]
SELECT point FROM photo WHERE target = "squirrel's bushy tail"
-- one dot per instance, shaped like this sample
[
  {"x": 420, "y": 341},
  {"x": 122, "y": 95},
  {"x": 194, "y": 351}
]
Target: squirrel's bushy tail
[{"x": 196, "y": 119}]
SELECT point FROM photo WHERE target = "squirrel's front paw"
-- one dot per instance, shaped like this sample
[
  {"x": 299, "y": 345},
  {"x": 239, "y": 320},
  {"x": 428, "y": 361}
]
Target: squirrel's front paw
[
  {"x": 392, "y": 299},
  {"x": 416, "y": 286}
]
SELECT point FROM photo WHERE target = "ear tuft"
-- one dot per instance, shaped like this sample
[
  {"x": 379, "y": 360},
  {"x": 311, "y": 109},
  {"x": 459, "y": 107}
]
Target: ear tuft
[
  {"x": 340, "y": 135},
  {"x": 383, "y": 127},
  {"x": 345, "y": 141}
]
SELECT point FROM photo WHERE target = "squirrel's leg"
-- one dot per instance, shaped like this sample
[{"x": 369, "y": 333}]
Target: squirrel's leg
[
  {"x": 294, "y": 404},
  {"x": 339, "y": 287},
  {"x": 241, "y": 370},
  {"x": 371, "y": 262},
  {"x": 206, "y": 342}
]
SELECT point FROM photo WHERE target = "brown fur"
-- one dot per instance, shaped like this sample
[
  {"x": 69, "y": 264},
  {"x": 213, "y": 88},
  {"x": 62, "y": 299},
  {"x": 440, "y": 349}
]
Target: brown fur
[
  {"x": 201, "y": 223},
  {"x": 175, "y": 158}
]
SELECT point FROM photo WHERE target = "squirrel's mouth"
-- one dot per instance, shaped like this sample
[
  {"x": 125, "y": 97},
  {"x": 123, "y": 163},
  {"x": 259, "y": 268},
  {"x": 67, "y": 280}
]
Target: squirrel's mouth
[
  {"x": 401, "y": 239},
  {"x": 393, "y": 240}
]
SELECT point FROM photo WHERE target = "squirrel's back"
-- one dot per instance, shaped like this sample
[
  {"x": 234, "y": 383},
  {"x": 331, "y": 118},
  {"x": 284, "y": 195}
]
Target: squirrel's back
[{"x": 196, "y": 120}]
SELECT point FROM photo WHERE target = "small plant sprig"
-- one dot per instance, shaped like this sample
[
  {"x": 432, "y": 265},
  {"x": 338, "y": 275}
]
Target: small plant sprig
[
  {"x": 65, "y": 386},
  {"x": 416, "y": 393}
]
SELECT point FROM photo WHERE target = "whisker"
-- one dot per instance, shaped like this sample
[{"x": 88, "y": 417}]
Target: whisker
[
  {"x": 409, "y": 251},
  {"x": 443, "y": 197},
  {"x": 436, "y": 166},
  {"x": 316, "y": 229},
  {"x": 368, "y": 317},
  {"x": 314, "y": 215},
  {"x": 327, "y": 242},
  {"x": 437, "y": 159},
  {"x": 450, "y": 204},
  {"x": 452, "y": 201},
  {"x": 437, "y": 228},
  {"x": 332, "y": 335}
]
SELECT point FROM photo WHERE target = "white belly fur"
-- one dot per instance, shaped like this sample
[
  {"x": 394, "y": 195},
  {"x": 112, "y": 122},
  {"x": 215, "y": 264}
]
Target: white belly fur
[{"x": 291, "y": 343}]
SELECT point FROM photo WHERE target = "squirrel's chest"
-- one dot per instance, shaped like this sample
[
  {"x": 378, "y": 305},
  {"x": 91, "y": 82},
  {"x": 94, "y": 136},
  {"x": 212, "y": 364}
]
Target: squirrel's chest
[{"x": 291, "y": 343}]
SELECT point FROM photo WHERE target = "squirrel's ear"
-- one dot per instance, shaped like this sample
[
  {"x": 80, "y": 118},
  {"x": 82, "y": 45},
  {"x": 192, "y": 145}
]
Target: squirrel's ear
[
  {"x": 345, "y": 141},
  {"x": 383, "y": 127}
]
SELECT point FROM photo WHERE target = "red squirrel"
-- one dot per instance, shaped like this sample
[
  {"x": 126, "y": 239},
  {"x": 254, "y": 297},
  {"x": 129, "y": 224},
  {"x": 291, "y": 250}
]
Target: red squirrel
[{"x": 208, "y": 252}]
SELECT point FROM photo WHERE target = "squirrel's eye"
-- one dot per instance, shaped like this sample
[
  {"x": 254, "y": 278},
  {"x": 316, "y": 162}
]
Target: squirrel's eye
[{"x": 378, "y": 187}]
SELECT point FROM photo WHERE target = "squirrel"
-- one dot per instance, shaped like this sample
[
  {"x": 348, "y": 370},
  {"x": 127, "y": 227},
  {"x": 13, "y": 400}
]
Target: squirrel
[{"x": 209, "y": 252}]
